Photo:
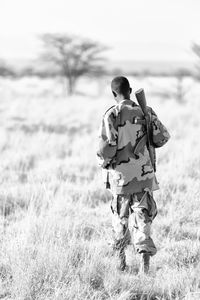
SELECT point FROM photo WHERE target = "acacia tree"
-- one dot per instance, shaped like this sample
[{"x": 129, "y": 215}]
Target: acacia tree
[
  {"x": 5, "y": 69},
  {"x": 73, "y": 57}
]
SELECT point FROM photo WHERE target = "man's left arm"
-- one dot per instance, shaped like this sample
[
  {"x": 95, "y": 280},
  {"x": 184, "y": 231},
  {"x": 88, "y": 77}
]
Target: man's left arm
[
  {"x": 107, "y": 145},
  {"x": 160, "y": 134}
]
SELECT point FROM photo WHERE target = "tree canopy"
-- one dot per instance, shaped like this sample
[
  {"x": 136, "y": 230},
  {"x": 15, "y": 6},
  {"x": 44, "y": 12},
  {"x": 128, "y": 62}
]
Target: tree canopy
[{"x": 73, "y": 56}]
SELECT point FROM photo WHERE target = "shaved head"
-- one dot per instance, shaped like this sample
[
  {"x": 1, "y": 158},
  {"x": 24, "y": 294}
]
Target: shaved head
[{"x": 120, "y": 85}]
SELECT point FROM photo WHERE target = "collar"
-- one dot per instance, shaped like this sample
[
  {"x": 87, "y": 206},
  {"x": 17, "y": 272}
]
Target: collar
[{"x": 127, "y": 101}]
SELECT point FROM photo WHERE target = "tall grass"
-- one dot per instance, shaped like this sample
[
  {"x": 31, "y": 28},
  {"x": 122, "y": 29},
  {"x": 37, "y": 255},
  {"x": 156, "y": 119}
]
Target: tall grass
[{"x": 55, "y": 219}]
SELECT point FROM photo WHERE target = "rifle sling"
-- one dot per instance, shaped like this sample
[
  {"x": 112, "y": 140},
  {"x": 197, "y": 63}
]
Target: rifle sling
[{"x": 139, "y": 121}]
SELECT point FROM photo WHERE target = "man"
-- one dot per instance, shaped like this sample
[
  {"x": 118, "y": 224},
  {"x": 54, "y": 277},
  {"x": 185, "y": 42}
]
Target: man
[{"x": 123, "y": 154}]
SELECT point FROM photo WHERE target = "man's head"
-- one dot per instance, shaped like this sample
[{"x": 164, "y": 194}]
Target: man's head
[{"x": 121, "y": 88}]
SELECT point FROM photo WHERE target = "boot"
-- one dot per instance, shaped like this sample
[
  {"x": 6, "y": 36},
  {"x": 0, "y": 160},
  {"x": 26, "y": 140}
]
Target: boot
[
  {"x": 118, "y": 247},
  {"x": 144, "y": 264},
  {"x": 122, "y": 261}
]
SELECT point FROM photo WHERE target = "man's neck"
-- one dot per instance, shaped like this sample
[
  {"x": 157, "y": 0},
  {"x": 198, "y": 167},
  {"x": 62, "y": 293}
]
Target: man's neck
[{"x": 126, "y": 97}]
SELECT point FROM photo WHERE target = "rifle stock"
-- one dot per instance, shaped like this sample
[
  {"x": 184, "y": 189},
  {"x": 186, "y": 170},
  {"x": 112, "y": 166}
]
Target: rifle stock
[{"x": 140, "y": 95}]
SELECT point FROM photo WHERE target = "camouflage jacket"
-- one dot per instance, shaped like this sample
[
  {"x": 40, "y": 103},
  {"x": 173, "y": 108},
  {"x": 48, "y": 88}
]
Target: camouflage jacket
[{"x": 121, "y": 131}]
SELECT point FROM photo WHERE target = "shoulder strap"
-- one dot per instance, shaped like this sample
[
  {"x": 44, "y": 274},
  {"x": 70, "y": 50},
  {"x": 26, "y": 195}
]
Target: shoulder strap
[{"x": 108, "y": 109}]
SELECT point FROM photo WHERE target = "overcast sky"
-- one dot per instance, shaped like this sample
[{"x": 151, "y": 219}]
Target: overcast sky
[{"x": 135, "y": 30}]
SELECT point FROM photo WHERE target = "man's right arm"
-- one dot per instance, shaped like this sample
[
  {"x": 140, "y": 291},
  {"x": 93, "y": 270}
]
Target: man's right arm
[{"x": 107, "y": 145}]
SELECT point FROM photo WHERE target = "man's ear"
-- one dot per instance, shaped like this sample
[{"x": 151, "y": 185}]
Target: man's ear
[
  {"x": 114, "y": 94},
  {"x": 130, "y": 90}
]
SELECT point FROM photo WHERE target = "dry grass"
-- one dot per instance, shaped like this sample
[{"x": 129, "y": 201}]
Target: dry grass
[{"x": 54, "y": 212}]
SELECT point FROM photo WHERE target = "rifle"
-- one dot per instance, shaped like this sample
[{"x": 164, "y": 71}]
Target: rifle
[{"x": 140, "y": 95}]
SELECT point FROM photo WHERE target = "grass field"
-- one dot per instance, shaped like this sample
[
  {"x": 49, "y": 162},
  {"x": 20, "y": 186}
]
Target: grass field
[{"x": 55, "y": 218}]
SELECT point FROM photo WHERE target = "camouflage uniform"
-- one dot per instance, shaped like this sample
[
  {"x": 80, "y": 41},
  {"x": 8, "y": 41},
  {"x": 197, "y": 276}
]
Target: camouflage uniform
[{"x": 123, "y": 153}]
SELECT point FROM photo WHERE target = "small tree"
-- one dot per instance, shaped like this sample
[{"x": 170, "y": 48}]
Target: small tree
[
  {"x": 180, "y": 89},
  {"x": 73, "y": 57},
  {"x": 196, "y": 51}
]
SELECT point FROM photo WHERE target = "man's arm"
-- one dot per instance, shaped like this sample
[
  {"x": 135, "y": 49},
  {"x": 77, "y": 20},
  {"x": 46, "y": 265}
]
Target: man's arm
[
  {"x": 108, "y": 136},
  {"x": 160, "y": 135}
]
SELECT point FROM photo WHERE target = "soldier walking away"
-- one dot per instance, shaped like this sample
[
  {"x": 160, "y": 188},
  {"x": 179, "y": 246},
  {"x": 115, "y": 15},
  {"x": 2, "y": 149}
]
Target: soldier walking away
[{"x": 123, "y": 153}]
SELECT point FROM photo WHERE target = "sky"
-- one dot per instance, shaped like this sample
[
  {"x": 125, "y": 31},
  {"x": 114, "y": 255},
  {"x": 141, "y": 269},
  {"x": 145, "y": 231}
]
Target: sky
[{"x": 132, "y": 29}]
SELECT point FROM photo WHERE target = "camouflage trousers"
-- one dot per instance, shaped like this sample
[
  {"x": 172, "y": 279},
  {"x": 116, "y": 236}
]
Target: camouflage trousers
[{"x": 131, "y": 220}]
